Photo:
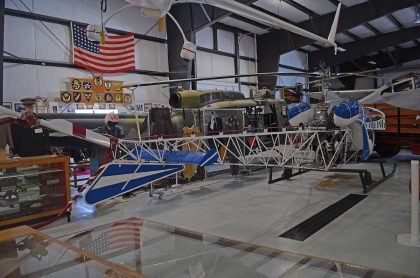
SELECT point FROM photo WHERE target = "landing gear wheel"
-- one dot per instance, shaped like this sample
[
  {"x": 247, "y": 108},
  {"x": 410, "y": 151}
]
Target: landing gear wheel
[{"x": 387, "y": 150}]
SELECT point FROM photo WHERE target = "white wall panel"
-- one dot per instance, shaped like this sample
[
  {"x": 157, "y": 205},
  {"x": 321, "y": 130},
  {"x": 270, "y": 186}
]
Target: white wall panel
[
  {"x": 247, "y": 67},
  {"x": 209, "y": 64},
  {"x": 222, "y": 65},
  {"x": 88, "y": 11},
  {"x": 204, "y": 38},
  {"x": 204, "y": 64},
  {"x": 19, "y": 37},
  {"x": 47, "y": 47},
  {"x": 17, "y": 5},
  {"x": 30, "y": 80},
  {"x": 289, "y": 80},
  {"x": 247, "y": 46},
  {"x": 225, "y": 41},
  {"x": 295, "y": 59},
  {"x": 151, "y": 56}
]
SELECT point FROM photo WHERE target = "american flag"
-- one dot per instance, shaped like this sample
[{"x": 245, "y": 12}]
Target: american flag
[
  {"x": 121, "y": 234},
  {"x": 116, "y": 55}
]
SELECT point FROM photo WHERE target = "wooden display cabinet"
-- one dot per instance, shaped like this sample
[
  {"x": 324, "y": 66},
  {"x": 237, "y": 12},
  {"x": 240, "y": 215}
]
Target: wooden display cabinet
[{"x": 32, "y": 188}]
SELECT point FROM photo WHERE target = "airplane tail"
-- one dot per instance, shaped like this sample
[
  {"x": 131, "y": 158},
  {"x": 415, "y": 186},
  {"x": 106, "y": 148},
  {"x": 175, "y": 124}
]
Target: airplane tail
[{"x": 334, "y": 26}]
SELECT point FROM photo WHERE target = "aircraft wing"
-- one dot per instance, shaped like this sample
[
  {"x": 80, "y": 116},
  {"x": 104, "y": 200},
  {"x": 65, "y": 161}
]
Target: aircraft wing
[
  {"x": 64, "y": 127},
  {"x": 406, "y": 100},
  {"x": 374, "y": 97},
  {"x": 70, "y": 129}
]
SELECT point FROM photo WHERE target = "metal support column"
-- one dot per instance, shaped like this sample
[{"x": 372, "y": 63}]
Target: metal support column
[{"x": 2, "y": 3}]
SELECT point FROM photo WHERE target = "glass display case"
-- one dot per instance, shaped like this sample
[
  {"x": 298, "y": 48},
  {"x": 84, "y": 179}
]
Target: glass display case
[
  {"x": 32, "y": 188},
  {"x": 157, "y": 250},
  {"x": 25, "y": 252}
]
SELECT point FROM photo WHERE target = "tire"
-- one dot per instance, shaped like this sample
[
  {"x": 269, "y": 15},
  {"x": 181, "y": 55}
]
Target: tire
[{"x": 387, "y": 150}]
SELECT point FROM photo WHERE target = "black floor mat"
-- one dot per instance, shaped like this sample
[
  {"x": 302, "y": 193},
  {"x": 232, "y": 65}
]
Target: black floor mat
[{"x": 313, "y": 224}]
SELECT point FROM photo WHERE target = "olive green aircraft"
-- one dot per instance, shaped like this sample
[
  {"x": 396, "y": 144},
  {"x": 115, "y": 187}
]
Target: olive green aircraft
[
  {"x": 218, "y": 99},
  {"x": 262, "y": 105}
]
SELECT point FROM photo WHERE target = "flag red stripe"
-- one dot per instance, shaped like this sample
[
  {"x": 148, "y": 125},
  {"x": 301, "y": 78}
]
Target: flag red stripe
[
  {"x": 123, "y": 242},
  {"x": 105, "y": 59},
  {"x": 102, "y": 64},
  {"x": 116, "y": 48},
  {"x": 116, "y": 231},
  {"x": 104, "y": 70},
  {"x": 104, "y": 54},
  {"x": 120, "y": 36},
  {"x": 119, "y": 41}
]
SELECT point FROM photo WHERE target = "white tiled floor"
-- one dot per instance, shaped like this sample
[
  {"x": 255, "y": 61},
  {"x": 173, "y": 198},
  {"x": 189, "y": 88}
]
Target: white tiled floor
[{"x": 247, "y": 208}]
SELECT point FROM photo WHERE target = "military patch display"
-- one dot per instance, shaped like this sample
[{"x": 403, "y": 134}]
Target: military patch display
[
  {"x": 95, "y": 90},
  {"x": 87, "y": 85},
  {"x": 108, "y": 98},
  {"x": 65, "y": 97},
  {"x": 77, "y": 97},
  {"x": 76, "y": 84},
  {"x": 128, "y": 98}
]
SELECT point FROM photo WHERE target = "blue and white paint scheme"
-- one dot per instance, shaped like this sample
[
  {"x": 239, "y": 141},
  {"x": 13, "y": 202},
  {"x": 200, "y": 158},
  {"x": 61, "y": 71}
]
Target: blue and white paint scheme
[
  {"x": 131, "y": 173},
  {"x": 185, "y": 157},
  {"x": 346, "y": 113},
  {"x": 300, "y": 113},
  {"x": 120, "y": 177},
  {"x": 361, "y": 139},
  {"x": 350, "y": 113}
]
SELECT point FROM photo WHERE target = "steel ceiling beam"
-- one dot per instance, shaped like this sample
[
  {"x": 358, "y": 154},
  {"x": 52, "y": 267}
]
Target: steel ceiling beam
[
  {"x": 382, "y": 60},
  {"x": 320, "y": 25},
  {"x": 359, "y": 48},
  {"x": 216, "y": 14},
  {"x": 275, "y": 43}
]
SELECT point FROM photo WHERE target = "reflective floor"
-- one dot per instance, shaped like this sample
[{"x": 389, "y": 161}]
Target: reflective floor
[
  {"x": 158, "y": 250},
  {"x": 248, "y": 209}
]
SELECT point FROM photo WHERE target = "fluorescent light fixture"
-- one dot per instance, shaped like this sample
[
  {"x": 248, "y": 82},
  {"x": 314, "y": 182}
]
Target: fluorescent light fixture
[
  {"x": 341, "y": 49},
  {"x": 372, "y": 63}
]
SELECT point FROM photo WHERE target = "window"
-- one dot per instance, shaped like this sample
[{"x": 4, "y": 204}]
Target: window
[
  {"x": 216, "y": 95},
  {"x": 205, "y": 98},
  {"x": 405, "y": 85}
]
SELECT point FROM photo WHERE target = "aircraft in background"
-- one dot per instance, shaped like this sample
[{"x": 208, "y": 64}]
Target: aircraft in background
[
  {"x": 220, "y": 99},
  {"x": 403, "y": 92}
]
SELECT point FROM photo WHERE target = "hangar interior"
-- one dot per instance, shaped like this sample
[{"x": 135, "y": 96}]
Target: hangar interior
[{"x": 234, "y": 158}]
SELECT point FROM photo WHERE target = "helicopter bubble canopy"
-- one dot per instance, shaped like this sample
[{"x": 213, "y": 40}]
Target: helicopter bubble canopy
[
  {"x": 346, "y": 112},
  {"x": 301, "y": 113}
]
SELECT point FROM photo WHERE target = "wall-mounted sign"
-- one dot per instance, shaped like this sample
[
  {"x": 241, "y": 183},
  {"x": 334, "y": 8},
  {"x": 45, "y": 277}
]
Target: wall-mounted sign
[{"x": 95, "y": 90}]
